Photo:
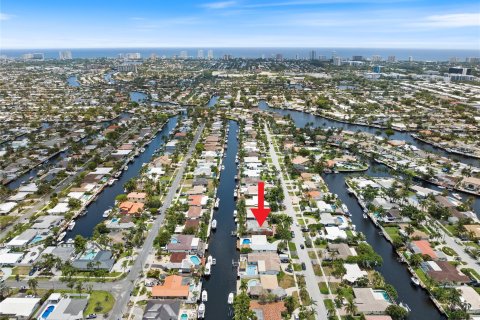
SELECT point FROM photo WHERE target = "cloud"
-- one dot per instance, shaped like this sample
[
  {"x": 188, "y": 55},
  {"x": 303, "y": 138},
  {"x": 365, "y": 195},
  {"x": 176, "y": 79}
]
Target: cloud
[
  {"x": 455, "y": 20},
  {"x": 4, "y": 16},
  {"x": 219, "y": 5}
]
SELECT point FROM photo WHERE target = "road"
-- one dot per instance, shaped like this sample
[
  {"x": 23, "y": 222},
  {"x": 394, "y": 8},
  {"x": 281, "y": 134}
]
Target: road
[
  {"x": 129, "y": 282},
  {"x": 310, "y": 278}
]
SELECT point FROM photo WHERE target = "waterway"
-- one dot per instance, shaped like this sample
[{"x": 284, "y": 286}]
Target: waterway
[
  {"x": 73, "y": 81},
  {"x": 106, "y": 199},
  {"x": 222, "y": 245},
  {"x": 394, "y": 272},
  {"x": 137, "y": 96},
  {"x": 302, "y": 118},
  {"x": 213, "y": 100}
]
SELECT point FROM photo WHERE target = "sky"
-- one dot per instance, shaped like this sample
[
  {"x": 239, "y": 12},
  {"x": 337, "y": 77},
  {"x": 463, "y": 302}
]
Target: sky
[{"x": 426, "y": 24}]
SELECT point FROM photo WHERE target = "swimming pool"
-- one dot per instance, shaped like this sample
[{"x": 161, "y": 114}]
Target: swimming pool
[
  {"x": 47, "y": 311},
  {"x": 174, "y": 240},
  {"x": 89, "y": 255},
  {"x": 252, "y": 282},
  {"x": 382, "y": 294},
  {"x": 246, "y": 241},
  {"x": 184, "y": 316},
  {"x": 195, "y": 260},
  {"x": 340, "y": 219},
  {"x": 114, "y": 220},
  {"x": 36, "y": 239},
  {"x": 251, "y": 270}
]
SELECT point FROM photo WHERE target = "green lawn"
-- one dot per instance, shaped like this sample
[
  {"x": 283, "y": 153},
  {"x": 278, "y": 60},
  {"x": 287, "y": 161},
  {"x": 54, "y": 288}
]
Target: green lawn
[
  {"x": 285, "y": 280},
  {"x": 421, "y": 275},
  {"x": 393, "y": 232},
  {"x": 292, "y": 246},
  {"x": 323, "y": 287},
  {"x": 100, "y": 302},
  {"x": 449, "y": 251}
]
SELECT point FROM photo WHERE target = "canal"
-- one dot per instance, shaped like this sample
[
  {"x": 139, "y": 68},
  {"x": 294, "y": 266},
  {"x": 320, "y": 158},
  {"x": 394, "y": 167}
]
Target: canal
[
  {"x": 106, "y": 199},
  {"x": 393, "y": 271},
  {"x": 222, "y": 245}
]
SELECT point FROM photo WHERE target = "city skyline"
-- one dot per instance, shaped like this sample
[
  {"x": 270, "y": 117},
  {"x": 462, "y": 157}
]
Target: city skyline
[{"x": 327, "y": 23}]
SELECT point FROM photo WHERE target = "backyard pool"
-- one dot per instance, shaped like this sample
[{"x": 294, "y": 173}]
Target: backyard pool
[
  {"x": 195, "y": 260},
  {"x": 89, "y": 255},
  {"x": 184, "y": 316},
  {"x": 174, "y": 240},
  {"x": 246, "y": 241},
  {"x": 251, "y": 270},
  {"x": 36, "y": 239},
  {"x": 381, "y": 294},
  {"x": 47, "y": 311},
  {"x": 252, "y": 283}
]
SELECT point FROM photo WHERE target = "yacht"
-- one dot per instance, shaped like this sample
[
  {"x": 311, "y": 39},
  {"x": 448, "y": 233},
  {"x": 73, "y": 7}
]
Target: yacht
[
  {"x": 235, "y": 213},
  {"x": 404, "y": 306},
  {"x": 125, "y": 168},
  {"x": 457, "y": 196},
  {"x": 217, "y": 203},
  {"x": 365, "y": 216},
  {"x": 118, "y": 174},
  {"x": 83, "y": 212},
  {"x": 214, "y": 261},
  {"x": 111, "y": 181},
  {"x": 209, "y": 259},
  {"x": 61, "y": 236},
  {"x": 214, "y": 224},
  {"x": 142, "y": 150},
  {"x": 223, "y": 167},
  {"x": 201, "y": 311},
  {"x": 106, "y": 213},
  {"x": 204, "y": 296},
  {"x": 415, "y": 281},
  {"x": 345, "y": 209},
  {"x": 208, "y": 269},
  {"x": 71, "y": 225},
  {"x": 230, "y": 298}
]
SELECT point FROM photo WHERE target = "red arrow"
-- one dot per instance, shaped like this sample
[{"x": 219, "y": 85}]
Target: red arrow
[{"x": 261, "y": 213}]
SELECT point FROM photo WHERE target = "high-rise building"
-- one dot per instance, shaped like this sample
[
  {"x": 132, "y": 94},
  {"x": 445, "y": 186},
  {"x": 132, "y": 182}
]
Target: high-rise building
[
  {"x": 460, "y": 70},
  {"x": 133, "y": 56},
  {"x": 200, "y": 54},
  {"x": 334, "y": 54},
  {"x": 65, "y": 55},
  {"x": 337, "y": 61},
  {"x": 210, "y": 54},
  {"x": 377, "y": 69},
  {"x": 472, "y": 60},
  {"x": 227, "y": 56},
  {"x": 357, "y": 58},
  {"x": 410, "y": 59},
  {"x": 183, "y": 54},
  {"x": 279, "y": 57},
  {"x": 454, "y": 60},
  {"x": 391, "y": 59},
  {"x": 153, "y": 56},
  {"x": 322, "y": 58},
  {"x": 376, "y": 58},
  {"x": 297, "y": 57},
  {"x": 313, "y": 55}
]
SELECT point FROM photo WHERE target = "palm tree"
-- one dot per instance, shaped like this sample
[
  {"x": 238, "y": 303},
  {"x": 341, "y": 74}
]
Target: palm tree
[
  {"x": 351, "y": 308},
  {"x": 33, "y": 284}
]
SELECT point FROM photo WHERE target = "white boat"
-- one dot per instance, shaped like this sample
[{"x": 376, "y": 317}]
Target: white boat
[
  {"x": 111, "y": 181},
  {"x": 457, "y": 196},
  {"x": 365, "y": 216},
  {"x": 223, "y": 167},
  {"x": 404, "y": 306},
  {"x": 71, "y": 225},
  {"x": 345, "y": 209},
  {"x": 230, "y": 298},
  {"x": 118, "y": 174},
  {"x": 214, "y": 261},
  {"x": 142, "y": 150},
  {"x": 83, "y": 212},
  {"x": 217, "y": 203},
  {"x": 208, "y": 269},
  {"x": 61, "y": 236},
  {"x": 70, "y": 240},
  {"x": 204, "y": 296},
  {"x": 201, "y": 311},
  {"x": 106, "y": 213},
  {"x": 235, "y": 213},
  {"x": 415, "y": 281},
  {"x": 214, "y": 224},
  {"x": 209, "y": 259},
  {"x": 126, "y": 168}
]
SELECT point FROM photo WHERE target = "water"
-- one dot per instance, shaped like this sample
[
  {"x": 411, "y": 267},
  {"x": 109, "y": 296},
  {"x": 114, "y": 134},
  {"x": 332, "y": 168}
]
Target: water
[
  {"x": 73, "y": 81},
  {"x": 213, "y": 100},
  {"x": 394, "y": 272},
  {"x": 106, "y": 199},
  {"x": 137, "y": 96},
  {"x": 255, "y": 53},
  {"x": 222, "y": 245}
]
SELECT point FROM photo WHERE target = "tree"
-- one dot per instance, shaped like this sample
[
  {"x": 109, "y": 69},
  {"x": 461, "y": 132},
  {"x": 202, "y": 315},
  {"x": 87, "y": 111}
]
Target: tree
[
  {"x": 351, "y": 308},
  {"x": 80, "y": 244},
  {"x": 33, "y": 284},
  {"x": 241, "y": 307},
  {"x": 396, "y": 312}
]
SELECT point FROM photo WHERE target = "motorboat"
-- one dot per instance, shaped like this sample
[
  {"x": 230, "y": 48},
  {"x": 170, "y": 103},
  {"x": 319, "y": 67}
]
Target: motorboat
[
  {"x": 217, "y": 203},
  {"x": 457, "y": 196},
  {"x": 142, "y": 150},
  {"x": 214, "y": 261},
  {"x": 345, "y": 209},
  {"x": 201, "y": 311},
  {"x": 125, "y": 168},
  {"x": 83, "y": 212},
  {"x": 204, "y": 296},
  {"x": 214, "y": 224},
  {"x": 61, "y": 236},
  {"x": 209, "y": 259},
  {"x": 365, "y": 216},
  {"x": 231, "y": 296},
  {"x": 71, "y": 225},
  {"x": 111, "y": 181},
  {"x": 106, "y": 213},
  {"x": 235, "y": 212},
  {"x": 415, "y": 281},
  {"x": 208, "y": 269},
  {"x": 405, "y": 306}
]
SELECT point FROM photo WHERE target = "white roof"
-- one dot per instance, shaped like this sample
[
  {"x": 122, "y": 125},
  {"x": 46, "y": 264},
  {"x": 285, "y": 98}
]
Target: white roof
[
  {"x": 76, "y": 195},
  {"x": 61, "y": 207},
  {"x": 10, "y": 257},
  {"x": 122, "y": 152},
  {"x": 259, "y": 239},
  {"x": 20, "y": 307},
  {"x": 353, "y": 272},
  {"x": 335, "y": 233},
  {"x": 6, "y": 207},
  {"x": 31, "y": 187},
  {"x": 102, "y": 171},
  {"x": 19, "y": 196}
]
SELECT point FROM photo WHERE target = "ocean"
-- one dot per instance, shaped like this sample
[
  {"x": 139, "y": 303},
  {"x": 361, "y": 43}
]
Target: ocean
[{"x": 287, "y": 53}]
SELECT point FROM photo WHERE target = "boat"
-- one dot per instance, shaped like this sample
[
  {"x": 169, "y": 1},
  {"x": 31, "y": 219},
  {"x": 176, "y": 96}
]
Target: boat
[
  {"x": 106, "y": 213},
  {"x": 201, "y": 311},
  {"x": 365, "y": 216},
  {"x": 111, "y": 181},
  {"x": 71, "y": 225},
  {"x": 142, "y": 150},
  {"x": 118, "y": 174},
  {"x": 415, "y": 281},
  {"x": 217, "y": 203},
  {"x": 405, "y": 306},
  {"x": 208, "y": 269},
  {"x": 125, "y": 168},
  {"x": 83, "y": 212},
  {"x": 70, "y": 241},
  {"x": 235, "y": 213},
  {"x": 214, "y": 224},
  {"x": 223, "y": 167},
  {"x": 457, "y": 196},
  {"x": 214, "y": 261},
  {"x": 230, "y": 298},
  {"x": 204, "y": 296},
  {"x": 345, "y": 209},
  {"x": 209, "y": 259},
  {"x": 440, "y": 187},
  {"x": 61, "y": 236}
]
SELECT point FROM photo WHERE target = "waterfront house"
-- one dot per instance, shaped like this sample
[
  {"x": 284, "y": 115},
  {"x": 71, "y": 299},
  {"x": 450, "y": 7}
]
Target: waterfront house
[
  {"x": 70, "y": 307},
  {"x": 137, "y": 197},
  {"x": 174, "y": 287},
  {"x": 185, "y": 243},
  {"x": 128, "y": 207},
  {"x": 471, "y": 184},
  {"x": 444, "y": 272},
  {"x": 19, "y": 308},
  {"x": 371, "y": 301},
  {"x": 164, "y": 309},
  {"x": 423, "y": 247}
]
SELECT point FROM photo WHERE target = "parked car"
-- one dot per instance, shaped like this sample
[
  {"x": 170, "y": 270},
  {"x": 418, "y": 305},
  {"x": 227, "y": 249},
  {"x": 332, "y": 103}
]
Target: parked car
[
  {"x": 92, "y": 316},
  {"x": 304, "y": 267},
  {"x": 302, "y": 246}
]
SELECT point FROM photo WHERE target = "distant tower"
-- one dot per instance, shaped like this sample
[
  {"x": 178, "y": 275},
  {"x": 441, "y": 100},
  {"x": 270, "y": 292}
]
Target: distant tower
[
  {"x": 279, "y": 57},
  {"x": 334, "y": 54},
  {"x": 210, "y": 54},
  {"x": 391, "y": 59},
  {"x": 410, "y": 59},
  {"x": 313, "y": 55},
  {"x": 65, "y": 55},
  {"x": 183, "y": 54},
  {"x": 297, "y": 57},
  {"x": 200, "y": 54}
]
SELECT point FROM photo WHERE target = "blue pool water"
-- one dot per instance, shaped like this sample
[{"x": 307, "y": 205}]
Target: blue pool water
[
  {"x": 246, "y": 241},
  {"x": 36, "y": 239},
  {"x": 184, "y": 316},
  {"x": 252, "y": 283},
  {"x": 174, "y": 240},
  {"x": 384, "y": 295},
  {"x": 47, "y": 312},
  {"x": 89, "y": 255},
  {"x": 114, "y": 220},
  {"x": 251, "y": 270},
  {"x": 195, "y": 260},
  {"x": 340, "y": 219}
]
